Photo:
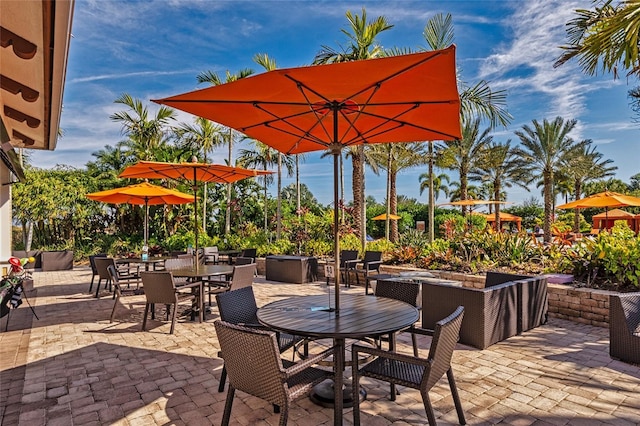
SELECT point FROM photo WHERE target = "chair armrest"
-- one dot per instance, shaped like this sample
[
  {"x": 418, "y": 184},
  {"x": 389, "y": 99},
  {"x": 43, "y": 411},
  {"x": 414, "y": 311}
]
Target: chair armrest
[
  {"x": 191, "y": 285},
  {"x": 373, "y": 265},
  {"x": 302, "y": 365},
  {"x": 351, "y": 263},
  {"x": 355, "y": 349},
  {"x": 421, "y": 331}
]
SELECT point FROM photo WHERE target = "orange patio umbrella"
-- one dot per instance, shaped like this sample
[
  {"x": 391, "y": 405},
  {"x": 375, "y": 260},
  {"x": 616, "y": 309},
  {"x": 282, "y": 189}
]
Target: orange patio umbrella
[
  {"x": 142, "y": 194},
  {"x": 606, "y": 200},
  {"x": 402, "y": 98},
  {"x": 383, "y": 216},
  {"x": 190, "y": 171}
]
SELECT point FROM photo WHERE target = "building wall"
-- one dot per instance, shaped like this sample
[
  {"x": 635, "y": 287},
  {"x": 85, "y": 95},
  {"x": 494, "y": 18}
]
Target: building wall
[{"x": 5, "y": 215}]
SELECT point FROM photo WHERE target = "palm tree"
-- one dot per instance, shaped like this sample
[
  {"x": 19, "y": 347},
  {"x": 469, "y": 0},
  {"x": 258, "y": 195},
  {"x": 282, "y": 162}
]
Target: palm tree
[
  {"x": 478, "y": 100},
  {"x": 464, "y": 155},
  {"x": 586, "y": 164},
  {"x": 262, "y": 156},
  {"x": 606, "y": 38},
  {"x": 501, "y": 168},
  {"x": 269, "y": 64},
  {"x": 215, "y": 80},
  {"x": 440, "y": 184},
  {"x": 145, "y": 134},
  {"x": 544, "y": 148},
  {"x": 202, "y": 136},
  {"x": 393, "y": 158},
  {"x": 362, "y": 45}
]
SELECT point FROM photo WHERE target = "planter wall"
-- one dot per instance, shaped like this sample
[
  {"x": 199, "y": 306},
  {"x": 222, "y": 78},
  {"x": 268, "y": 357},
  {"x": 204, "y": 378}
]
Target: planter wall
[{"x": 581, "y": 305}]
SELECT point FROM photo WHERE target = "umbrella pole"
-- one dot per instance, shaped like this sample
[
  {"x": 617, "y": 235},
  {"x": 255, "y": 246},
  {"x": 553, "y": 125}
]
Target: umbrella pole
[
  {"x": 146, "y": 221},
  {"x": 195, "y": 217},
  {"x": 336, "y": 246}
]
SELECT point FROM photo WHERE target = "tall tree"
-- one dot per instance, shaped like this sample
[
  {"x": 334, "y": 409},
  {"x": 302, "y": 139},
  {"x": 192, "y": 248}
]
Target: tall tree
[
  {"x": 586, "y": 164},
  {"x": 261, "y": 156},
  {"x": 269, "y": 64},
  {"x": 215, "y": 80},
  {"x": 363, "y": 44},
  {"x": 464, "y": 155},
  {"x": 394, "y": 158},
  {"x": 202, "y": 137},
  {"x": 606, "y": 38},
  {"x": 145, "y": 134},
  {"x": 544, "y": 148},
  {"x": 501, "y": 168},
  {"x": 478, "y": 100}
]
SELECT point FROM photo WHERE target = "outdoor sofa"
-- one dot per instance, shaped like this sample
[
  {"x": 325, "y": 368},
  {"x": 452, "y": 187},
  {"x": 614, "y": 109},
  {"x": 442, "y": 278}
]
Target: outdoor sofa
[{"x": 507, "y": 305}]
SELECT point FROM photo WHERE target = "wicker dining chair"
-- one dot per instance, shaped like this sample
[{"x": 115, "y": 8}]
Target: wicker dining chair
[
  {"x": 94, "y": 270},
  {"x": 118, "y": 291},
  {"x": 413, "y": 372},
  {"x": 239, "y": 307},
  {"x": 406, "y": 292},
  {"x": 254, "y": 366},
  {"x": 159, "y": 287},
  {"x": 126, "y": 275},
  {"x": 242, "y": 276}
]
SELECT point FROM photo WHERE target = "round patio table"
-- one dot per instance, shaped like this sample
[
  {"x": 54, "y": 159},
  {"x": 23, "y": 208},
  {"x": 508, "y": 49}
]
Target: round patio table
[{"x": 360, "y": 316}]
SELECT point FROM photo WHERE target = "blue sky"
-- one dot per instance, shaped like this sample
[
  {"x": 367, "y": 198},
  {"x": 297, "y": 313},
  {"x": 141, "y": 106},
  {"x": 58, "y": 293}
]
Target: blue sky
[{"x": 155, "y": 48}]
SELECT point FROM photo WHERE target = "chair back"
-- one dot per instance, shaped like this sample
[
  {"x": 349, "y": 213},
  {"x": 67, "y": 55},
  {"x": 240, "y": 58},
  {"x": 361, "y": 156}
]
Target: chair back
[
  {"x": 242, "y": 276},
  {"x": 445, "y": 337},
  {"x": 115, "y": 278},
  {"x": 178, "y": 263},
  {"x": 101, "y": 266},
  {"x": 252, "y": 360},
  {"x": 244, "y": 260},
  {"x": 238, "y": 306},
  {"x": 249, "y": 252},
  {"x": 211, "y": 254},
  {"x": 372, "y": 256},
  {"x": 93, "y": 263},
  {"x": 404, "y": 291},
  {"x": 159, "y": 287},
  {"x": 346, "y": 255}
]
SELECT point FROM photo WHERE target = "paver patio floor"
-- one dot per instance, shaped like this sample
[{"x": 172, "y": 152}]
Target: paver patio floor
[{"x": 74, "y": 367}]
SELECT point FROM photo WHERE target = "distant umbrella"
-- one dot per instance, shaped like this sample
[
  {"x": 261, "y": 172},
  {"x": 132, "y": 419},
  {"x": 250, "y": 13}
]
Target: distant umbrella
[
  {"x": 144, "y": 194},
  {"x": 383, "y": 216}
]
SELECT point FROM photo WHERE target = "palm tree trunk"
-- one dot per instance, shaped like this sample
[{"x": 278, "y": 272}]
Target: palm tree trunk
[
  {"x": 279, "y": 208},
  {"x": 576, "y": 212},
  {"x": 548, "y": 209},
  {"x": 227, "y": 223},
  {"x": 388, "y": 201},
  {"x": 394, "y": 205},
  {"x": 357, "y": 158},
  {"x": 496, "y": 195},
  {"x": 431, "y": 195},
  {"x": 266, "y": 200}
]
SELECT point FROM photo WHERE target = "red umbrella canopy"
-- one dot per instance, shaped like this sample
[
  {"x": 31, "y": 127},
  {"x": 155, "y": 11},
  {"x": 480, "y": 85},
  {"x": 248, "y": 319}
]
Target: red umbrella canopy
[{"x": 395, "y": 99}]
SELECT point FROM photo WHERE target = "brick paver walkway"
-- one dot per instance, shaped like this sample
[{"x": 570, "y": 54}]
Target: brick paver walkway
[{"x": 73, "y": 367}]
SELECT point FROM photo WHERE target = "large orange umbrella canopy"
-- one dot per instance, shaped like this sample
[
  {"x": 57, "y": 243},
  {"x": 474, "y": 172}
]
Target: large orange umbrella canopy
[
  {"x": 404, "y": 98},
  {"x": 190, "y": 171},
  {"x": 607, "y": 199},
  {"x": 395, "y": 99},
  {"x": 142, "y": 194}
]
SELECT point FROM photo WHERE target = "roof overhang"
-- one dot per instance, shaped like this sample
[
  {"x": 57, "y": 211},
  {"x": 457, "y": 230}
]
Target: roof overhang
[{"x": 35, "y": 37}]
